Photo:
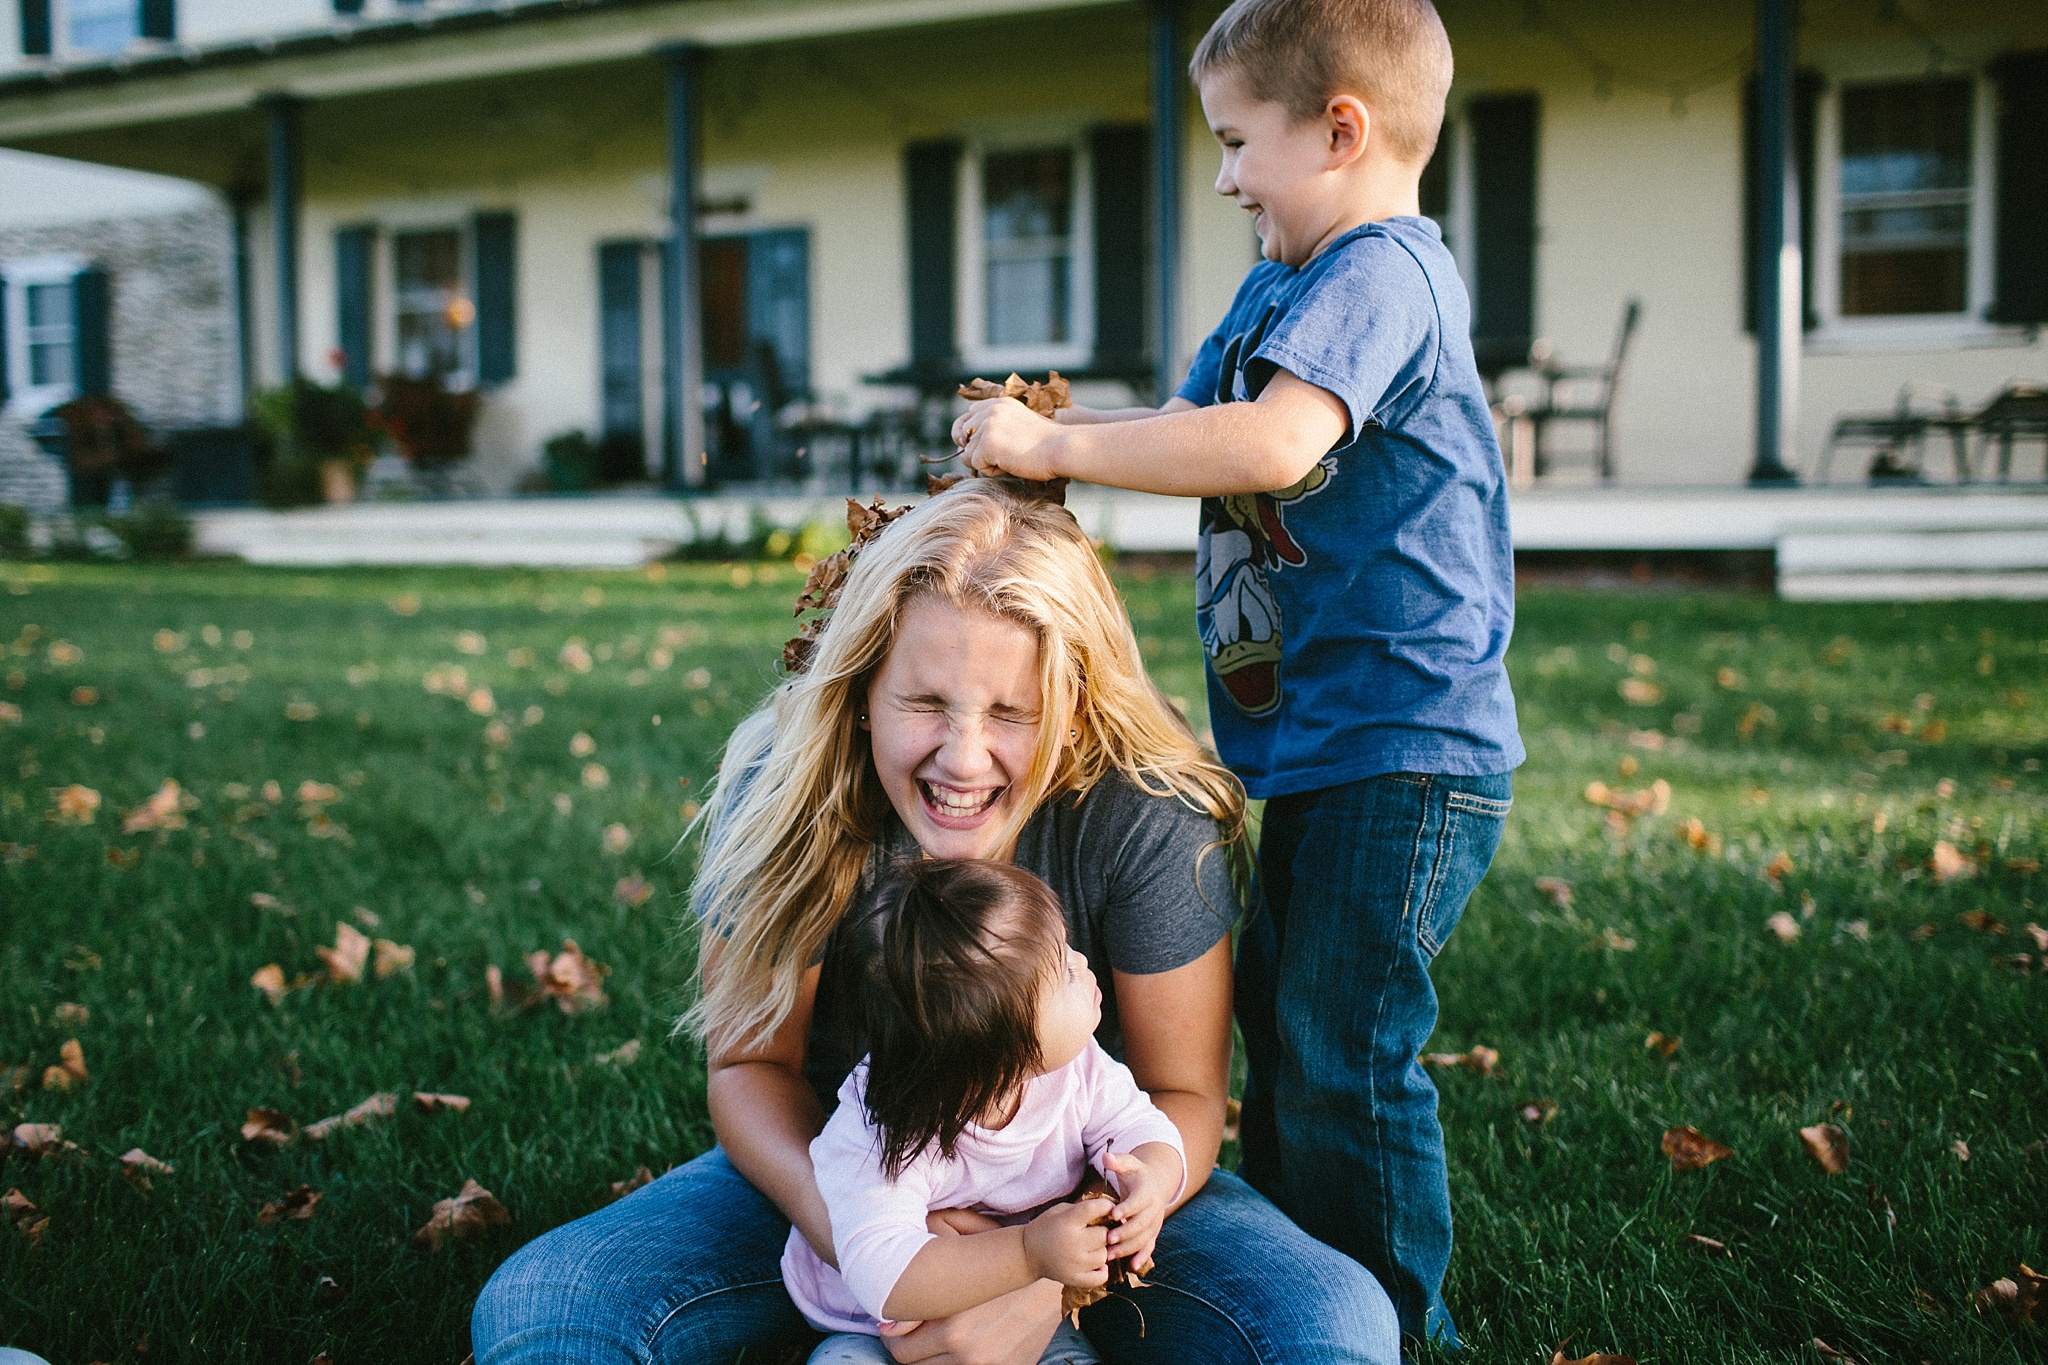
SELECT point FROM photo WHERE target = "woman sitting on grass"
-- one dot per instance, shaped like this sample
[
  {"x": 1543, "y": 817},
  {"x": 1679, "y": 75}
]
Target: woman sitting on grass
[{"x": 978, "y": 694}]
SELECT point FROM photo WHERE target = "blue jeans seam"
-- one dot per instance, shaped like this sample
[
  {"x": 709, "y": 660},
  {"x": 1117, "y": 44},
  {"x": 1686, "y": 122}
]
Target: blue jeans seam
[
  {"x": 698, "y": 1298},
  {"x": 1383, "y": 1148},
  {"x": 1446, "y": 843},
  {"x": 1218, "y": 1310}
]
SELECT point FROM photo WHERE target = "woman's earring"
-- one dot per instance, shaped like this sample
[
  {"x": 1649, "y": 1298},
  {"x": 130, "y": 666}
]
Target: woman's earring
[
  {"x": 863, "y": 718},
  {"x": 1073, "y": 735}
]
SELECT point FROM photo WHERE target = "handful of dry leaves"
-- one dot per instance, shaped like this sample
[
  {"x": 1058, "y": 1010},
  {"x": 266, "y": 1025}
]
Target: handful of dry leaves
[
  {"x": 865, "y": 522},
  {"x": 1122, "y": 1274}
]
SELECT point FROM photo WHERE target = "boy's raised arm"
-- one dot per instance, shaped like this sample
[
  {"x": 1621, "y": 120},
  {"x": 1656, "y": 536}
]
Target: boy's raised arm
[{"x": 1185, "y": 451}]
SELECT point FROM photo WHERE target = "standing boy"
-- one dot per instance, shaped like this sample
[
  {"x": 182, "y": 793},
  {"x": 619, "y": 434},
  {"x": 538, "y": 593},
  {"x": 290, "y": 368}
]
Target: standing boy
[{"x": 1355, "y": 592}]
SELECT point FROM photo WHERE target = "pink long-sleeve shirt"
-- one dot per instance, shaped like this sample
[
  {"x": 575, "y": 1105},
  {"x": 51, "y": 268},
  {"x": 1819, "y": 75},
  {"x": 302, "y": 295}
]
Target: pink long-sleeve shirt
[{"x": 1069, "y": 1119}]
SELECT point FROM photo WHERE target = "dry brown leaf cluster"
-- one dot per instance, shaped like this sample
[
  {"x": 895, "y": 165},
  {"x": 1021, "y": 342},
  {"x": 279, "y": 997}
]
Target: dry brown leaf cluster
[
  {"x": 297, "y": 1204},
  {"x": 864, "y": 522},
  {"x": 1666, "y": 1043},
  {"x": 378, "y": 1106},
  {"x": 35, "y": 1140},
  {"x": 1042, "y": 398},
  {"x": 138, "y": 1166},
  {"x": 28, "y": 1220},
  {"x": 1481, "y": 1059},
  {"x": 1122, "y": 1274},
  {"x": 1557, "y": 889},
  {"x": 75, "y": 805},
  {"x": 1947, "y": 863},
  {"x": 1828, "y": 1145},
  {"x": 2018, "y": 1298},
  {"x": 270, "y": 1127},
  {"x": 1654, "y": 799},
  {"x": 462, "y": 1216},
  {"x": 70, "y": 1069},
  {"x": 1690, "y": 1149},
  {"x": 1557, "y": 1357},
  {"x": 163, "y": 810}
]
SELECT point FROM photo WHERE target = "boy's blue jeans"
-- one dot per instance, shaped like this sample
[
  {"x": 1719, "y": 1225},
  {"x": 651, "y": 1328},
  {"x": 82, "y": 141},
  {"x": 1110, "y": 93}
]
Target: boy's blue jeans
[{"x": 1362, "y": 884}]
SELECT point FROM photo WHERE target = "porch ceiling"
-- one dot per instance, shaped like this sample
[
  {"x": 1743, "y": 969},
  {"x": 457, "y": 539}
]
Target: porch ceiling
[{"x": 191, "y": 111}]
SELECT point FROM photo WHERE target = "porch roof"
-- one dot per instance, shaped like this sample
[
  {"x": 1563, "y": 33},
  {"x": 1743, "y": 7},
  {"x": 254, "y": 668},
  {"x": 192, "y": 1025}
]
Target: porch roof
[{"x": 44, "y": 108}]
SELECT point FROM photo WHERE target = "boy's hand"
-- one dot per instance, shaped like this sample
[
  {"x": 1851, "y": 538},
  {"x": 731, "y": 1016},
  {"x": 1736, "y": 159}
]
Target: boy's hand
[
  {"x": 1145, "y": 1184},
  {"x": 1002, "y": 436},
  {"x": 1060, "y": 1245}
]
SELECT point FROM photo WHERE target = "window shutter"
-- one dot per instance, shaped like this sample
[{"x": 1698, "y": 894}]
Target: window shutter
[
  {"x": 2019, "y": 258},
  {"x": 1504, "y": 229},
  {"x": 159, "y": 20},
  {"x": 1123, "y": 181},
  {"x": 618, "y": 321},
  {"x": 495, "y": 303},
  {"x": 348, "y": 6},
  {"x": 1806, "y": 87},
  {"x": 35, "y": 28},
  {"x": 89, "y": 313},
  {"x": 3, "y": 342},
  {"x": 352, "y": 247},
  {"x": 931, "y": 178}
]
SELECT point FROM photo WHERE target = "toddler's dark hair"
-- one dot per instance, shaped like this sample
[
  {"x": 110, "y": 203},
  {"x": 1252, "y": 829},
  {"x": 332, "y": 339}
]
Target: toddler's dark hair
[{"x": 950, "y": 956}]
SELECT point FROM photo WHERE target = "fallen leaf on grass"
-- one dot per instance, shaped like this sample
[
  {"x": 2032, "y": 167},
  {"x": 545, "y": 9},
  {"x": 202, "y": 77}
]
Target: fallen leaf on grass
[
  {"x": 625, "y": 1054},
  {"x": 40, "y": 1140},
  {"x": 123, "y": 858},
  {"x": 463, "y": 1216},
  {"x": 269, "y": 1126},
  {"x": 1947, "y": 864},
  {"x": 1640, "y": 691},
  {"x": 2039, "y": 935},
  {"x": 617, "y": 838},
  {"x": 1597, "y": 1358},
  {"x": 379, "y": 1106},
  {"x": 327, "y": 1291},
  {"x": 582, "y": 745},
  {"x": 85, "y": 696},
  {"x": 392, "y": 957},
  {"x": 1784, "y": 926},
  {"x": 1690, "y": 1149},
  {"x": 1928, "y": 1304},
  {"x": 1654, "y": 799},
  {"x": 430, "y": 1103},
  {"x": 1695, "y": 834},
  {"x": 297, "y": 1204},
  {"x": 1538, "y": 1112},
  {"x": 573, "y": 981},
  {"x": 1983, "y": 921},
  {"x": 2018, "y": 1298},
  {"x": 1828, "y": 1352},
  {"x": 346, "y": 958},
  {"x": 163, "y": 810},
  {"x": 1558, "y": 889},
  {"x": 77, "y": 805},
  {"x": 1665, "y": 1043},
  {"x": 622, "y": 1188},
  {"x": 70, "y": 1071},
  {"x": 1481, "y": 1059},
  {"x": 269, "y": 979},
  {"x": 301, "y": 711},
  {"x": 1706, "y": 1244},
  {"x": 138, "y": 1166},
  {"x": 71, "y": 1015},
  {"x": 1828, "y": 1145},
  {"x": 1778, "y": 869},
  {"x": 635, "y": 890},
  {"x": 1961, "y": 1149},
  {"x": 15, "y": 1078},
  {"x": 27, "y": 1219}
]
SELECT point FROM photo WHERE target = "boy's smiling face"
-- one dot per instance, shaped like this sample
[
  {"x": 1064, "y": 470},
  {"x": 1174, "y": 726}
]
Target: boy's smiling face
[{"x": 1281, "y": 169}]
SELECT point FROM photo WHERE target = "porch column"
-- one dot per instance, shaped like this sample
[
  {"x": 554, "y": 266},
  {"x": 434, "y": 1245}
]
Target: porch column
[
  {"x": 683, "y": 342},
  {"x": 1169, "y": 80},
  {"x": 1777, "y": 266},
  {"x": 286, "y": 182}
]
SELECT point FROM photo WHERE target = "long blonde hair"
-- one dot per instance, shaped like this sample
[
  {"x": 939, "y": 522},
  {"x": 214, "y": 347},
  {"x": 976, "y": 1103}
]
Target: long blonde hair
[{"x": 797, "y": 809}]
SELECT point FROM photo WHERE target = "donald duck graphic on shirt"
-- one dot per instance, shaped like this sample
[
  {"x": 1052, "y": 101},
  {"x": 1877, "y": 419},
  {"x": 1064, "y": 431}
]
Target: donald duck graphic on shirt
[{"x": 1244, "y": 541}]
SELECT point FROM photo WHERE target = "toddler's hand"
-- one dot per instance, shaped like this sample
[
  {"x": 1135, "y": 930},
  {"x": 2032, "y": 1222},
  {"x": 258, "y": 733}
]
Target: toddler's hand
[
  {"x": 1145, "y": 1186},
  {"x": 1060, "y": 1245},
  {"x": 1002, "y": 436}
]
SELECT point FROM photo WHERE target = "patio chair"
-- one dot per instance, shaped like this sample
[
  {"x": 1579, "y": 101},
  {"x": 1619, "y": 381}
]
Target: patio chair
[
  {"x": 1899, "y": 438},
  {"x": 1580, "y": 393},
  {"x": 2018, "y": 413}
]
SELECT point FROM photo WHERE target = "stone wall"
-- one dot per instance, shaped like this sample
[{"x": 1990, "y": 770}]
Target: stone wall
[{"x": 173, "y": 327}]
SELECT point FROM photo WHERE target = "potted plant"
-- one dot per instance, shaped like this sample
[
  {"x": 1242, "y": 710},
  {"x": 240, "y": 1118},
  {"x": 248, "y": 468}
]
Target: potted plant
[
  {"x": 430, "y": 423},
  {"x": 323, "y": 438}
]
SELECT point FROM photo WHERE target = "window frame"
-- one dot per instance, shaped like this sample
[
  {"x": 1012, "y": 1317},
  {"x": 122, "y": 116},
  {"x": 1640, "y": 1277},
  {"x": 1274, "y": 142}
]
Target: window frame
[
  {"x": 70, "y": 47},
  {"x": 25, "y": 399},
  {"x": 1834, "y": 329},
  {"x": 970, "y": 306},
  {"x": 385, "y": 307}
]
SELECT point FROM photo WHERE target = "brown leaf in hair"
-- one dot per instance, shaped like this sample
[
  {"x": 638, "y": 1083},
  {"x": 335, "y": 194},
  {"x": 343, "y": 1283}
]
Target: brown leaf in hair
[
  {"x": 297, "y": 1204},
  {"x": 381, "y": 1105},
  {"x": 572, "y": 980},
  {"x": 935, "y": 484},
  {"x": 27, "y": 1219},
  {"x": 1828, "y": 1145},
  {"x": 1690, "y": 1149},
  {"x": 138, "y": 1166},
  {"x": 269, "y": 1126},
  {"x": 462, "y": 1216},
  {"x": 346, "y": 958}
]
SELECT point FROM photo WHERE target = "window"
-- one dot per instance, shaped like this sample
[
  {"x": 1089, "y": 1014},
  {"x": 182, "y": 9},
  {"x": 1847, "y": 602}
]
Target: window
[
  {"x": 1027, "y": 242},
  {"x": 42, "y": 332},
  {"x": 1905, "y": 198},
  {"x": 102, "y": 25},
  {"x": 434, "y": 314}
]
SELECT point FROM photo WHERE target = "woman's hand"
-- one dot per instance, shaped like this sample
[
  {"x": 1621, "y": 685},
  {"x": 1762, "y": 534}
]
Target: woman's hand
[
  {"x": 1146, "y": 1179},
  {"x": 1002, "y": 436},
  {"x": 1011, "y": 1330}
]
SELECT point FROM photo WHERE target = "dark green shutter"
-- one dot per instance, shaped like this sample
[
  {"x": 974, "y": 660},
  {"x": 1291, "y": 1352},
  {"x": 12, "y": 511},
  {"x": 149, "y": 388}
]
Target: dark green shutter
[
  {"x": 1503, "y": 228},
  {"x": 352, "y": 246},
  {"x": 348, "y": 6},
  {"x": 1806, "y": 88},
  {"x": 2020, "y": 248},
  {"x": 496, "y": 314},
  {"x": 931, "y": 177},
  {"x": 3, "y": 343},
  {"x": 1120, "y": 153},
  {"x": 35, "y": 28},
  {"x": 159, "y": 20},
  {"x": 89, "y": 315}
]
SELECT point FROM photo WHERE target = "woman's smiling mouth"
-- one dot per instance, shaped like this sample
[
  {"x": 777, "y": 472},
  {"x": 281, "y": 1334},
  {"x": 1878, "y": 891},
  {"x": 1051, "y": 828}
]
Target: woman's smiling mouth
[{"x": 948, "y": 804}]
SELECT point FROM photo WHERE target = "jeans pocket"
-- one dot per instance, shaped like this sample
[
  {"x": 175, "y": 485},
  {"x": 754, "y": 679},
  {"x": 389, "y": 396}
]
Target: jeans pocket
[{"x": 1469, "y": 834}]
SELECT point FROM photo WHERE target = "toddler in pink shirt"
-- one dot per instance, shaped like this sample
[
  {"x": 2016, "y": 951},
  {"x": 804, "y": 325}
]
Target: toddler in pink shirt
[{"x": 983, "y": 1090}]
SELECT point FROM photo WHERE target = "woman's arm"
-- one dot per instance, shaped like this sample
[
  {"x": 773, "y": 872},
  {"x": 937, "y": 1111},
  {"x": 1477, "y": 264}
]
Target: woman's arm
[
  {"x": 1176, "y": 1028},
  {"x": 765, "y": 1115}
]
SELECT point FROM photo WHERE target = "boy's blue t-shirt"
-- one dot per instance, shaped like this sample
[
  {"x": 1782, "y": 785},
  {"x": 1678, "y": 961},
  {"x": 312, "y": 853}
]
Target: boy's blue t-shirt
[{"x": 1356, "y": 623}]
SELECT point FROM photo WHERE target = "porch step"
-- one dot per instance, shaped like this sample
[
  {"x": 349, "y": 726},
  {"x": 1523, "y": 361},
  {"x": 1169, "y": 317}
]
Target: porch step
[{"x": 1936, "y": 563}]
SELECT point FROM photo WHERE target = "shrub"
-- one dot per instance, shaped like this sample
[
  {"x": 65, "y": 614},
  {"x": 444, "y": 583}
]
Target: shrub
[
  {"x": 13, "y": 532},
  {"x": 154, "y": 530}
]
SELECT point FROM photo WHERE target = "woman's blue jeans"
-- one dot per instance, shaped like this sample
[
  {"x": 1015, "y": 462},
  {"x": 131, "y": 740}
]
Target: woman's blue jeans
[
  {"x": 1362, "y": 885},
  {"x": 686, "y": 1272}
]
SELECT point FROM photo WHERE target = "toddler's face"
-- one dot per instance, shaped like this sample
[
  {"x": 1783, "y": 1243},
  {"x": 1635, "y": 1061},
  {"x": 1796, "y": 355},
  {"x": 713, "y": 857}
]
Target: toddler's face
[
  {"x": 1274, "y": 166},
  {"x": 1069, "y": 1008}
]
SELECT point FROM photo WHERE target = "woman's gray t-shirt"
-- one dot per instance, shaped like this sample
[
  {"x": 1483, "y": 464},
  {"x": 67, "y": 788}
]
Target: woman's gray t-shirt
[{"x": 1145, "y": 881}]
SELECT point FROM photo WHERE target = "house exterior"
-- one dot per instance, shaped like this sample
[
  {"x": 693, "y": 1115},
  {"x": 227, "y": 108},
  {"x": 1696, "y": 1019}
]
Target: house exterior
[{"x": 880, "y": 196}]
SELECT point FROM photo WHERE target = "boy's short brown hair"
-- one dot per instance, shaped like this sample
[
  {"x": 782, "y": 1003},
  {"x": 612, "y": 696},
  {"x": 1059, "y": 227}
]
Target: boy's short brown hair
[{"x": 1392, "y": 54}]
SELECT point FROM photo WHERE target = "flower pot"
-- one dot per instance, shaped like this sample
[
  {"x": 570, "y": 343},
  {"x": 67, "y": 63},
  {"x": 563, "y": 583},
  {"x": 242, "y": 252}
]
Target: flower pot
[{"x": 338, "y": 480}]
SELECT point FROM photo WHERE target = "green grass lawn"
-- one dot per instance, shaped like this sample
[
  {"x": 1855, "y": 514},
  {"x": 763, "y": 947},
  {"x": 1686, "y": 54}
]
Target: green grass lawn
[{"x": 1848, "y": 739}]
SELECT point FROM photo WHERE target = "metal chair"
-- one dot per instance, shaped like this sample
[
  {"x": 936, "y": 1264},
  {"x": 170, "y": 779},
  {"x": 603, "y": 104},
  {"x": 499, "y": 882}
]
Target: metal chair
[
  {"x": 1581, "y": 393},
  {"x": 1899, "y": 437},
  {"x": 2020, "y": 412}
]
